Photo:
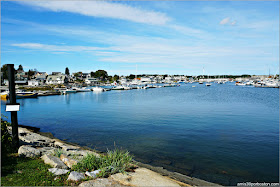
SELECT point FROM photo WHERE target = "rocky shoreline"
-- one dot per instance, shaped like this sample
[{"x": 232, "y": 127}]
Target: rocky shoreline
[{"x": 34, "y": 143}]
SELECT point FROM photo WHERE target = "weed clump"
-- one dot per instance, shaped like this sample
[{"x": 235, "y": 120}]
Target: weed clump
[{"x": 117, "y": 161}]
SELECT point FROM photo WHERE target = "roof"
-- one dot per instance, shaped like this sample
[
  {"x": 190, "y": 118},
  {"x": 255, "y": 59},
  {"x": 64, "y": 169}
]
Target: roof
[
  {"x": 20, "y": 82},
  {"x": 55, "y": 77}
]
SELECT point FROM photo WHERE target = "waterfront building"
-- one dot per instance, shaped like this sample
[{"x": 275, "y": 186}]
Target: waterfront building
[
  {"x": 21, "y": 76},
  {"x": 33, "y": 82},
  {"x": 56, "y": 78},
  {"x": 91, "y": 80},
  {"x": 41, "y": 74}
]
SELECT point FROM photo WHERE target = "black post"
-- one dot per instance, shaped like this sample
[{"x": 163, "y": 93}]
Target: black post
[{"x": 12, "y": 97}]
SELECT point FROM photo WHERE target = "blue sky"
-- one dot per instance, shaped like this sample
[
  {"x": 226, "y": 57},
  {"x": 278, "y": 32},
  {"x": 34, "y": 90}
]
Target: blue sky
[{"x": 159, "y": 37}]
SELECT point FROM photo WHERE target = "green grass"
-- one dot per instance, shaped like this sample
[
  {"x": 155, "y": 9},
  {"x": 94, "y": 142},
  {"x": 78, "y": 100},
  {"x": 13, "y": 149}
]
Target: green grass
[
  {"x": 19, "y": 171},
  {"x": 58, "y": 152},
  {"x": 117, "y": 161}
]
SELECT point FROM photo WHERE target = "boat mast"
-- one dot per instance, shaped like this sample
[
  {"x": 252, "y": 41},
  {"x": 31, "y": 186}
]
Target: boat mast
[{"x": 136, "y": 72}]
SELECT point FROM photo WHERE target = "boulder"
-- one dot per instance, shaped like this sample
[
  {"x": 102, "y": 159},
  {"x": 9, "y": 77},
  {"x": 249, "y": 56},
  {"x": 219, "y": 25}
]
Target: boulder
[
  {"x": 143, "y": 177},
  {"x": 104, "y": 182},
  {"x": 92, "y": 174},
  {"x": 70, "y": 148},
  {"x": 28, "y": 151},
  {"x": 57, "y": 171},
  {"x": 36, "y": 139},
  {"x": 58, "y": 144},
  {"x": 75, "y": 176},
  {"x": 54, "y": 161},
  {"x": 46, "y": 150},
  {"x": 68, "y": 161}
]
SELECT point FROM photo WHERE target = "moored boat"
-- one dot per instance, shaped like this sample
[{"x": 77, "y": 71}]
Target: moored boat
[
  {"x": 83, "y": 89},
  {"x": 118, "y": 88},
  {"x": 98, "y": 89},
  {"x": 22, "y": 95}
]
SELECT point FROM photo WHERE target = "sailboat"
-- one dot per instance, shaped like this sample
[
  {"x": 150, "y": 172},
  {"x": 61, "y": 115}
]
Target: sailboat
[
  {"x": 208, "y": 83},
  {"x": 201, "y": 81}
]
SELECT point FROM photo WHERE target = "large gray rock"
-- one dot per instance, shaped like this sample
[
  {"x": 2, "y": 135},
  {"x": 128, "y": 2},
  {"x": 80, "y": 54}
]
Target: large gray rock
[
  {"x": 68, "y": 161},
  {"x": 92, "y": 174},
  {"x": 70, "y": 148},
  {"x": 100, "y": 183},
  {"x": 58, "y": 144},
  {"x": 75, "y": 176},
  {"x": 57, "y": 171},
  {"x": 46, "y": 150},
  {"x": 36, "y": 139},
  {"x": 28, "y": 151},
  {"x": 54, "y": 161}
]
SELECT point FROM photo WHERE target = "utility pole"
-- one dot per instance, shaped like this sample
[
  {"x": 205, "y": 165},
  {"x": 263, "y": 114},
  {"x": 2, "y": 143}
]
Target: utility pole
[{"x": 12, "y": 98}]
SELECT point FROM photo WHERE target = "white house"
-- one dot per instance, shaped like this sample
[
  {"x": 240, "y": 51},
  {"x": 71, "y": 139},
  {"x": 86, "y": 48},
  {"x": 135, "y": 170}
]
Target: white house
[
  {"x": 91, "y": 80},
  {"x": 33, "y": 83},
  {"x": 56, "y": 79}
]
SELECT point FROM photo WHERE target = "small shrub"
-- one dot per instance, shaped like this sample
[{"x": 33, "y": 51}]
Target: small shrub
[
  {"x": 116, "y": 161},
  {"x": 58, "y": 152},
  {"x": 6, "y": 138}
]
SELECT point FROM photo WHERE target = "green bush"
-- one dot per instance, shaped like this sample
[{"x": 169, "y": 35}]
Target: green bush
[
  {"x": 6, "y": 138},
  {"x": 58, "y": 152},
  {"x": 117, "y": 161}
]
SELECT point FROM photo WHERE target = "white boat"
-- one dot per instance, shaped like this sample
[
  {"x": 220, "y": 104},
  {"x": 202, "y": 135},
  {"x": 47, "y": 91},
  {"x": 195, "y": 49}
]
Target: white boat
[
  {"x": 271, "y": 84},
  {"x": 98, "y": 89},
  {"x": 83, "y": 89},
  {"x": 208, "y": 84},
  {"x": 67, "y": 91},
  {"x": 127, "y": 88},
  {"x": 118, "y": 88}
]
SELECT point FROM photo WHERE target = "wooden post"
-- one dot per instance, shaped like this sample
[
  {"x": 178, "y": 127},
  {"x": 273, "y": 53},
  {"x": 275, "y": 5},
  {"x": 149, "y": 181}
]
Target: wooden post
[{"x": 12, "y": 98}]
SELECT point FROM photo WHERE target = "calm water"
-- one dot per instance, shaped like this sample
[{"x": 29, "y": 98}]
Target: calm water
[{"x": 223, "y": 133}]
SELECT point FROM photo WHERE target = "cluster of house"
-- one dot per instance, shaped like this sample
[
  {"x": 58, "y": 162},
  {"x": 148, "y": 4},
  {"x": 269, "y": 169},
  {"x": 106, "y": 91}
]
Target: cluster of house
[{"x": 55, "y": 78}]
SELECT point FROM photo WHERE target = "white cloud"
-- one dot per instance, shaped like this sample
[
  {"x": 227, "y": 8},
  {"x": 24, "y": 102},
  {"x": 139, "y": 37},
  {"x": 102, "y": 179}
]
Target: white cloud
[
  {"x": 103, "y": 9},
  {"x": 55, "y": 48},
  {"x": 233, "y": 23},
  {"x": 225, "y": 21}
]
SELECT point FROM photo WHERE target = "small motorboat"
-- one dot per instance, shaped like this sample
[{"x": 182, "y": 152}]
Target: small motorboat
[
  {"x": 97, "y": 89},
  {"x": 118, "y": 88},
  {"x": 22, "y": 95},
  {"x": 5, "y": 95},
  {"x": 83, "y": 89}
]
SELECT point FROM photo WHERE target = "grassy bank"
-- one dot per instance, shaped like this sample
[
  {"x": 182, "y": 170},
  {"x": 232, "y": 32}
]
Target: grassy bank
[
  {"x": 22, "y": 171},
  {"x": 19, "y": 171}
]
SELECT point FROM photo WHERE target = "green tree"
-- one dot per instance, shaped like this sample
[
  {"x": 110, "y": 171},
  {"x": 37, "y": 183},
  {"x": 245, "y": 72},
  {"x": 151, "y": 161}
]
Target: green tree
[
  {"x": 101, "y": 74},
  {"x": 116, "y": 77},
  {"x": 78, "y": 74},
  {"x": 131, "y": 76},
  {"x": 92, "y": 74},
  {"x": 110, "y": 78},
  {"x": 67, "y": 71},
  {"x": 30, "y": 73},
  {"x": 4, "y": 71},
  {"x": 20, "y": 68}
]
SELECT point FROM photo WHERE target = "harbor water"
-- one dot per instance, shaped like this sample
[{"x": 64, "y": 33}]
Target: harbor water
[{"x": 223, "y": 133}]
